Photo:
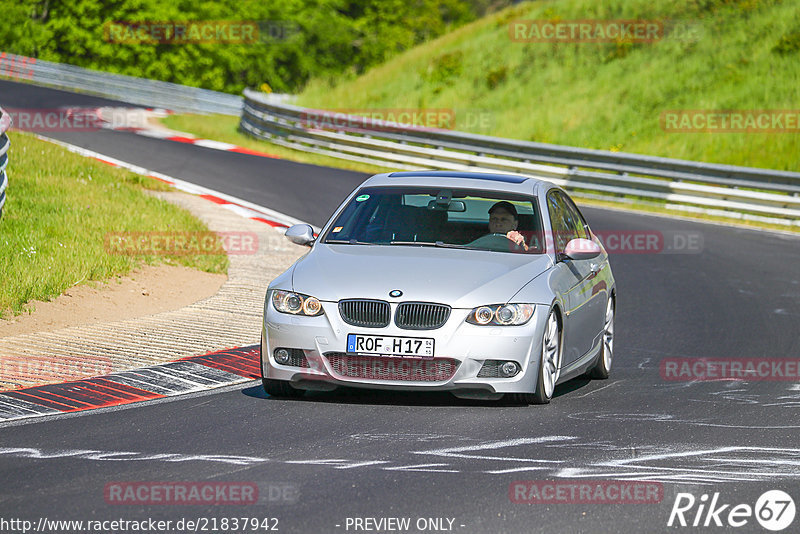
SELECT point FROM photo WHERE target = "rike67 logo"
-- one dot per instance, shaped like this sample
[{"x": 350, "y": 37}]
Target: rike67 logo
[{"x": 774, "y": 510}]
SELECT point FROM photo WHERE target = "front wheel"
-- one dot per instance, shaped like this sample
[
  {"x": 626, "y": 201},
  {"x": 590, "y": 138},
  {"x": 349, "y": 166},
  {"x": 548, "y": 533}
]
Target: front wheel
[
  {"x": 276, "y": 388},
  {"x": 602, "y": 368},
  {"x": 549, "y": 366},
  {"x": 280, "y": 389}
]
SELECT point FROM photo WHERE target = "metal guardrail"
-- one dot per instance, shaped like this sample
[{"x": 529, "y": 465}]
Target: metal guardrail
[
  {"x": 727, "y": 190},
  {"x": 5, "y": 143},
  {"x": 140, "y": 91}
]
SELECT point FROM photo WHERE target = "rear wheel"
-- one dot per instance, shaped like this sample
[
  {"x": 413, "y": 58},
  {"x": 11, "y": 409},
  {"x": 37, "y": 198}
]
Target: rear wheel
[
  {"x": 549, "y": 366},
  {"x": 602, "y": 368},
  {"x": 276, "y": 388}
]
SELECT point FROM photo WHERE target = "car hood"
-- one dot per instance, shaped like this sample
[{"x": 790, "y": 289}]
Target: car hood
[{"x": 460, "y": 278}]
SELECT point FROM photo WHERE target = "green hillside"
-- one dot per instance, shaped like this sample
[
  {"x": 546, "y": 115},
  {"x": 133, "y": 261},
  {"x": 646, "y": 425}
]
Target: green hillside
[
  {"x": 289, "y": 40},
  {"x": 720, "y": 55}
]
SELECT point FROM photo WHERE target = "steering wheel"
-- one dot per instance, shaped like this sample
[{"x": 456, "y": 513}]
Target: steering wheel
[{"x": 494, "y": 241}]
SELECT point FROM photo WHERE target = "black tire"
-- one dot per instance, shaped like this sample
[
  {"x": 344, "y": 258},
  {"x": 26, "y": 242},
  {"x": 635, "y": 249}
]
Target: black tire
[
  {"x": 276, "y": 388},
  {"x": 281, "y": 389},
  {"x": 598, "y": 370},
  {"x": 539, "y": 395},
  {"x": 602, "y": 365}
]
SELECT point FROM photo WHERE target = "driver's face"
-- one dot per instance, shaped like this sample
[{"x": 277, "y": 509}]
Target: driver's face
[{"x": 501, "y": 222}]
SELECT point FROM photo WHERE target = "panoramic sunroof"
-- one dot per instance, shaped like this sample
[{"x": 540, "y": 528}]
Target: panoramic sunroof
[{"x": 508, "y": 178}]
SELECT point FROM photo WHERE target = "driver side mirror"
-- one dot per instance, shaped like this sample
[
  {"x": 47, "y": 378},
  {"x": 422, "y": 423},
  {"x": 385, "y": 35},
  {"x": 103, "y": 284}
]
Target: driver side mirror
[
  {"x": 582, "y": 249},
  {"x": 300, "y": 234}
]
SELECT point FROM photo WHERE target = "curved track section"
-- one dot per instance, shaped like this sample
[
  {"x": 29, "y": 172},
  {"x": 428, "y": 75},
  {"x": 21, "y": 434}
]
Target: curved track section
[
  {"x": 307, "y": 192},
  {"x": 355, "y": 455}
]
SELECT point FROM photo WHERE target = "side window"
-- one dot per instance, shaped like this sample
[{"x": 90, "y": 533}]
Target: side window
[
  {"x": 573, "y": 217},
  {"x": 561, "y": 230}
]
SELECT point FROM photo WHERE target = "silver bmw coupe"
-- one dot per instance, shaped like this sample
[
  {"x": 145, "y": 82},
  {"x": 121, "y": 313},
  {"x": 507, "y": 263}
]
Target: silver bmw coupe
[{"x": 480, "y": 284}]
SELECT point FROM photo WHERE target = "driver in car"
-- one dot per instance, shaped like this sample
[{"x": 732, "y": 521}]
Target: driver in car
[{"x": 503, "y": 219}]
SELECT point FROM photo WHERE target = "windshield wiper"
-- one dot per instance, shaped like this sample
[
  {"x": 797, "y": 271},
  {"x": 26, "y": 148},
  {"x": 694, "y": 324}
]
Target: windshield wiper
[
  {"x": 348, "y": 242},
  {"x": 432, "y": 244},
  {"x": 453, "y": 245},
  {"x": 419, "y": 243}
]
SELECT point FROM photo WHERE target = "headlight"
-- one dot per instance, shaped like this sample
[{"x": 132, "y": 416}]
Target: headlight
[
  {"x": 296, "y": 303},
  {"x": 501, "y": 315}
]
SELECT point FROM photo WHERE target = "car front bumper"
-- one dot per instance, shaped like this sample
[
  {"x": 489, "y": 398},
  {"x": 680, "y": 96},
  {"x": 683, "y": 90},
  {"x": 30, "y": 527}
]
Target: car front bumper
[{"x": 460, "y": 350}]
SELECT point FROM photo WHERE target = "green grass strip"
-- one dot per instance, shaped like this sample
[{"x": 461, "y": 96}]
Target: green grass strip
[{"x": 59, "y": 208}]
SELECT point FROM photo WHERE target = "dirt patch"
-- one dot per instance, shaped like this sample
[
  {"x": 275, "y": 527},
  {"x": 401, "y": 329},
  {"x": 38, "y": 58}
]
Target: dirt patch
[{"x": 146, "y": 291}]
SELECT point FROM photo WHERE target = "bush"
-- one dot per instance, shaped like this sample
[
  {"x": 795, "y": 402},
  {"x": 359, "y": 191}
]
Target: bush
[
  {"x": 496, "y": 76},
  {"x": 298, "y": 38},
  {"x": 788, "y": 44},
  {"x": 444, "y": 68}
]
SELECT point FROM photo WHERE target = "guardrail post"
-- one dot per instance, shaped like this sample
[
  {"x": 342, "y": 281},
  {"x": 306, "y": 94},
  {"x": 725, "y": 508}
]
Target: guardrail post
[{"x": 5, "y": 143}]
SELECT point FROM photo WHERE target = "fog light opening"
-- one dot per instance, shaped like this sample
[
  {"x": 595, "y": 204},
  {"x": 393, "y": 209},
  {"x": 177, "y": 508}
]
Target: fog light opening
[
  {"x": 281, "y": 356},
  {"x": 509, "y": 369}
]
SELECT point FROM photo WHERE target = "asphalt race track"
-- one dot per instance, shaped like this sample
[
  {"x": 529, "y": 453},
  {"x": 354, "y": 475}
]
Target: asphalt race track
[
  {"x": 307, "y": 191},
  {"x": 352, "y": 454}
]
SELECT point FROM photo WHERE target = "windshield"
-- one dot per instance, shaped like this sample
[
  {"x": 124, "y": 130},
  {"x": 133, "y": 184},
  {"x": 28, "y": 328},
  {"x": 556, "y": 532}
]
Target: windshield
[{"x": 454, "y": 218}]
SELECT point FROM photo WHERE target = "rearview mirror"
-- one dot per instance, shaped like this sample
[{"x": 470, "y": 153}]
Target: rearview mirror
[
  {"x": 453, "y": 205},
  {"x": 582, "y": 249},
  {"x": 300, "y": 234}
]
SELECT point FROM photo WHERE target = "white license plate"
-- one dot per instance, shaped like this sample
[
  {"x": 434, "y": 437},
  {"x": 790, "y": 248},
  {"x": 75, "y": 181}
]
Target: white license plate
[{"x": 391, "y": 345}]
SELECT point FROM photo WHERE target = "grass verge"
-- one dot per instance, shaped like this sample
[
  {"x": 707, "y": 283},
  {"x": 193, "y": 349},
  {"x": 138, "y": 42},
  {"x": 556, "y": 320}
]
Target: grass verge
[
  {"x": 225, "y": 128},
  {"x": 653, "y": 208},
  {"x": 59, "y": 208}
]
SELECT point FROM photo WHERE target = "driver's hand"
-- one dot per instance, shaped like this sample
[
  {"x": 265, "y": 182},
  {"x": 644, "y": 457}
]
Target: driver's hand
[{"x": 517, "y": 238}]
